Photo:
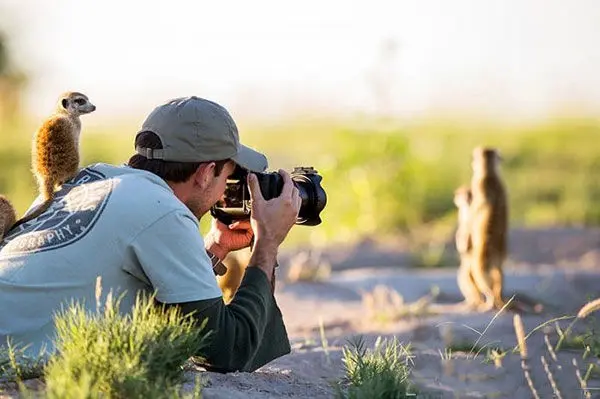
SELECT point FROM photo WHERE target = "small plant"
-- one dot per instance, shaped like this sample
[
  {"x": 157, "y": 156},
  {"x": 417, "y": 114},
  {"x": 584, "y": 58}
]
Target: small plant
[
  {"x": 588, "y": 340},
  {"x": 465, "y": 347},
  {"x": 473, "y": 349},
  {"x": 324, "y": 342},
  {"x": 381, "y": 373},
  {"x": 384, "y": 304},
  {"x": 107, "y": 354},
  {"x": 16, "y": 365},
  {"x": 495, "y": 355},
  {"x": 446, "y": 354},
  {"x": 446, "y": 359},
  {"x": 588, "y": 309}
]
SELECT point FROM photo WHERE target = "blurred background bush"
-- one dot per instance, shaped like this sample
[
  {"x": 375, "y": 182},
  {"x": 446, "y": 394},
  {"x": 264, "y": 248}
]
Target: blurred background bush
[{"x": 389, "y": 182}]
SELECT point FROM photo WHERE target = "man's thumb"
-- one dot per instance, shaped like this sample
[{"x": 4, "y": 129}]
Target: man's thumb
[{"x": 255, "y": 193}]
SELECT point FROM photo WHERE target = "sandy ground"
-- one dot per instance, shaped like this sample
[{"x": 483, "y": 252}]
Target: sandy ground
[
  {"x": 309, "y": 370},
  {"x": 560, "y": 268}
]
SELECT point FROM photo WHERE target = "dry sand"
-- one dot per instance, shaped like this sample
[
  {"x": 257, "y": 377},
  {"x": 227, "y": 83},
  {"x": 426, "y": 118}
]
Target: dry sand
[
  {"x": 558, "y": 267},
  {"x": 309, "y": 370}
]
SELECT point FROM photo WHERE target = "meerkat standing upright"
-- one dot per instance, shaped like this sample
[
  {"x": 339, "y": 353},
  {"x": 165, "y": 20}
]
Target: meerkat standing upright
[
  {"x": 55, "y": 149},
  {"x": 489, "y": 225},
  {"x": 466, "y": 283},
  {"x": 7, "y": 215}
]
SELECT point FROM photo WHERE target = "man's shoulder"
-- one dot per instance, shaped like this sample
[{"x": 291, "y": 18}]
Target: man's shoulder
[
  {"x": 122, "y": 170},
  {"x": 128, "y": 177},
  {"x": 141, "y": 192}
]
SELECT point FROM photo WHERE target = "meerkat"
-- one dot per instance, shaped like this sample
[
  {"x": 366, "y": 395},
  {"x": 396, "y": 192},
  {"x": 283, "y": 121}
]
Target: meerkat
[
  {"x": 462, "y": 201},
  {"x": 466, "y": 283},
  {"x": 236, "y": 263},
  {"x": 489, "y": 225},
  {"x": 55, "y": 148},
  {"x": 8, "y": 216}
]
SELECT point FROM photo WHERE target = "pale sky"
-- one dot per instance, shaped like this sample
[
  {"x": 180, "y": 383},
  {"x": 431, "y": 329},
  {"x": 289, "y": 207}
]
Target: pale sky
[{"x": 518, "y": 58}]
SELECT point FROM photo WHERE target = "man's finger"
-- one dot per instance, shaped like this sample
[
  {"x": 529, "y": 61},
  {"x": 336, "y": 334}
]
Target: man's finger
[
  {"x": 218, "y": 224},
  {"x": 240, "y": 225},
  {"x": 255, "y": 193},
  {"x": 288, "y": 184}
]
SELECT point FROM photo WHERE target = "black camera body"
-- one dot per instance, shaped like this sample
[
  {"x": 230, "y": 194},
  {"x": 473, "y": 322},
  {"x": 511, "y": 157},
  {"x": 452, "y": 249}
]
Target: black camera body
[{"x": 236, "y": 203}]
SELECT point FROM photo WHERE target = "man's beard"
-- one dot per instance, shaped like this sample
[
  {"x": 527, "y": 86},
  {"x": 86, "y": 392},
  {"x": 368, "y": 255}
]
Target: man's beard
[{"x": 197, "y": 207}]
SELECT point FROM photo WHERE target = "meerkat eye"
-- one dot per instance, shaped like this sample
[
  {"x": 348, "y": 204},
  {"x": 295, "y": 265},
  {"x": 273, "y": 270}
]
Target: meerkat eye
[{"x": 79, "y": 101}]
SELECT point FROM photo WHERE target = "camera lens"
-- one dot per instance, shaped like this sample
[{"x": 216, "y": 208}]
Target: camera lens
[
  {"x": 308, "y": 182},
  {"x": 313, "y": 196}
]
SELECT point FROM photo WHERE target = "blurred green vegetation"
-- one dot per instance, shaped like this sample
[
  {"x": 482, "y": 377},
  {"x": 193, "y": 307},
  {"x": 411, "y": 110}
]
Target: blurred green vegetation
[{"x": 388, "y": 179}]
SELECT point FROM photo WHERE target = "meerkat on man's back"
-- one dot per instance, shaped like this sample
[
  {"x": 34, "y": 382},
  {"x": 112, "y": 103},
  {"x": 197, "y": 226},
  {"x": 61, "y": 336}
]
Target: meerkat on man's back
[
  {"x": 55, "y": 149},
  {"x": 489, "y": 225}
]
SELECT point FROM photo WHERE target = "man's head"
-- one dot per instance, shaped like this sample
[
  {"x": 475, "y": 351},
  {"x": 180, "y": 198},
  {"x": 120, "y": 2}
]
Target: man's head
[{"x": 193, "y": 144}]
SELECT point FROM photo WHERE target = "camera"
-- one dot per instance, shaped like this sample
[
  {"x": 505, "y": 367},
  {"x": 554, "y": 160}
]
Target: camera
[{"x": 236, "y": 203}]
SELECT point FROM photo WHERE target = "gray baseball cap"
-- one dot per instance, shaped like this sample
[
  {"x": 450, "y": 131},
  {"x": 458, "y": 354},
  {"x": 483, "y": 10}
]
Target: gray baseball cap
[{"x": 193, "y": 129}]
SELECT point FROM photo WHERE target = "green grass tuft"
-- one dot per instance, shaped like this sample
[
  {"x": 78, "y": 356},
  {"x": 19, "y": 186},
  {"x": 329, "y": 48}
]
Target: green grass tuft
[
  {"x": 16, "y": 366},
  {"x": 464, "y": 346},
  {"x": 381, "y": 373},
  {"x": 108, "y": 354}
]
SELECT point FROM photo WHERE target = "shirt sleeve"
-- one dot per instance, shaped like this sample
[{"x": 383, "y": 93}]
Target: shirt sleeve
[
  {"x": 247, "y": 333},
  {"x": 171, "y": 253}
]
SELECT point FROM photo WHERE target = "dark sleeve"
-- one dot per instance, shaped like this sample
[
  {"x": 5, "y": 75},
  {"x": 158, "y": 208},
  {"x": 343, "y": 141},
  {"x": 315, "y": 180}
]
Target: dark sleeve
[{"x": 248, "y": 332}]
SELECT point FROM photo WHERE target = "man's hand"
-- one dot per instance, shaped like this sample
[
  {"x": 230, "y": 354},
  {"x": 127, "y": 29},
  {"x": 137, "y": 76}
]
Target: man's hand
[
  {"x": 222, "y": 239},
  {"x": 271, "y": 221}
]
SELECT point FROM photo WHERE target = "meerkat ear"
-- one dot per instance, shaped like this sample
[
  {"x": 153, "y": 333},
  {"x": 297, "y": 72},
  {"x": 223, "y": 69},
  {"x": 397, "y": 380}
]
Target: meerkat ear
[{"x": 64, "y": 103}]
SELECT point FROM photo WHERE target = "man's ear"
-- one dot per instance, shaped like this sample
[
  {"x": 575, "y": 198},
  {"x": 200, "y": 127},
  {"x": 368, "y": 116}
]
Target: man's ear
[{"x": 204, "y": 174}]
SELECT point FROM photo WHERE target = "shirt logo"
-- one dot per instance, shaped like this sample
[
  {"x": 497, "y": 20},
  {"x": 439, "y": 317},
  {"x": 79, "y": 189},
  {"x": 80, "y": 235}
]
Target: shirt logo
[{"x": 74, "y": 211}]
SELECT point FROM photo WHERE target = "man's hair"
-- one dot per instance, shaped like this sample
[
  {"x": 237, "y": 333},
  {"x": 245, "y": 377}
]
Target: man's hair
[{"x": 173, "y": 171}]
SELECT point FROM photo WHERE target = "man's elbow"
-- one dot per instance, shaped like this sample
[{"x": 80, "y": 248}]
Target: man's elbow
[
  {"x": 223, "y": 356},
  {"x": 222, "y": 368},
  {"x": 224, "y": 364}
]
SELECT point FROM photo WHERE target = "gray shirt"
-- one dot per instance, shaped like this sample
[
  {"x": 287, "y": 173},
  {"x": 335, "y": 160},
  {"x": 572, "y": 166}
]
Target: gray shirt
[{"x": 122, "y": 224}]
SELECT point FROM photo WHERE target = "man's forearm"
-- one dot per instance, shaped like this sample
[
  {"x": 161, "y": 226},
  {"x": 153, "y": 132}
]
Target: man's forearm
[
  {"x": 264, "y": 257},
  {"x": 239, "y": 328}
]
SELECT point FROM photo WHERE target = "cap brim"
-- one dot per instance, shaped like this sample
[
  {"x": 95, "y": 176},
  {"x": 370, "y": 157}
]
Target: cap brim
[{"x": 252, "y": 160}]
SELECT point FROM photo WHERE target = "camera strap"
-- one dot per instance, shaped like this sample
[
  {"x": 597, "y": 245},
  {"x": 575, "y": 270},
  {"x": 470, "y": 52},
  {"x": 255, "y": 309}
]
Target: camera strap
[{"x": 217, "y": 264}]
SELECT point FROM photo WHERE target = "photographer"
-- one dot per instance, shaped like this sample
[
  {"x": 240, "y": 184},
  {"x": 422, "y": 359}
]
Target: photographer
[{"x": 136, "y": 226}]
